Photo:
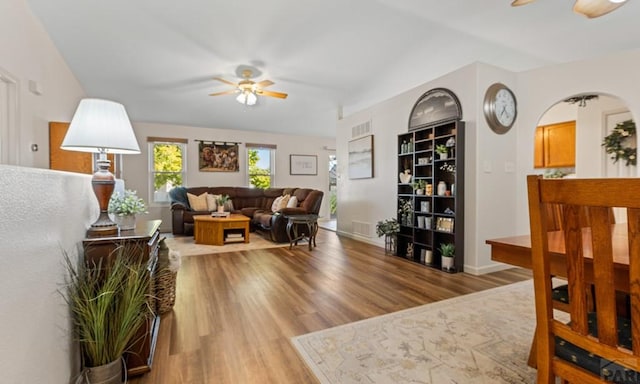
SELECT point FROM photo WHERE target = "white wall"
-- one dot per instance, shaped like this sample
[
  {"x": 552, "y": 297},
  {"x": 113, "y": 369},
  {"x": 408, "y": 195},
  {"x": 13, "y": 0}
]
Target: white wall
[
  {"x": 489, "y": 188},
  {"x": 614, "y": 74},
  {"x": 27, "y": 53},
  {"x": 136, "y": 166},
  {"x": 44, "y": 213},
  {"x": 496, "y": 165}
]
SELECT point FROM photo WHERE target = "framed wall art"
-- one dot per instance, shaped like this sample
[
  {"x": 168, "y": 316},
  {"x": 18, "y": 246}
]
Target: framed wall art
[
  {"x": 303, "y": 164},
  {"x": 218, "y": 157},
  {"x": 361, "y": 158}
]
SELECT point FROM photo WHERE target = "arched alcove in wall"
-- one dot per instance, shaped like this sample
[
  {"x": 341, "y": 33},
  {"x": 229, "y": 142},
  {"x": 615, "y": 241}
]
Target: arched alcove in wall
[{"x": 593, "y": 116}]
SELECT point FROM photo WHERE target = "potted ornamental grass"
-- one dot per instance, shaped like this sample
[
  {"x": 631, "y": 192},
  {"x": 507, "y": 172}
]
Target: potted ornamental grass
[
  {"x": 124, "y": 207},
  {"x": 109, "y": 303}
]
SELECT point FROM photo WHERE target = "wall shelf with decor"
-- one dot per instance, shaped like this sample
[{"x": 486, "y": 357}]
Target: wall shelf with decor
[{"x": 434, "y": 215}]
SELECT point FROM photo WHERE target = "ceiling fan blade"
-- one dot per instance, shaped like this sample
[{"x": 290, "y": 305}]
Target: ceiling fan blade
[
  {"x": 279, "y": 95},
  {"x": 224, "y": 92},
  {"x": 517, "y": 3},
  {"x": 225, "y": 81},
  {"x": 264, "y": 83},
  {"x": 595, "y": 8}
]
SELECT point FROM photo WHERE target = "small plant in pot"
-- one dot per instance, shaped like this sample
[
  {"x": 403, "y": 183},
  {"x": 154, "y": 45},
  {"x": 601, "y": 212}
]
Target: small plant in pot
[
  {"x": 124, "y": 207},
  {"x": 419, "y": 186},
  {"x": 221, "y": 201},
  {"x": 109, "y": 303},
  {"x": 448, "y": 252},
  {"x": 442, "y": 151}
]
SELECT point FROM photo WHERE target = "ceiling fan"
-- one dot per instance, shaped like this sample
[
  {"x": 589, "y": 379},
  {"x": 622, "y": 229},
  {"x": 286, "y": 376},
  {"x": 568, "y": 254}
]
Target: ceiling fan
[
  {"x": 589, "y": 8},
  {"x": 248, "y": 90}
]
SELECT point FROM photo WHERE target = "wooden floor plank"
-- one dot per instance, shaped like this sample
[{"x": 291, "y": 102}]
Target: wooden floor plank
[{"x": 236, "y": 312}]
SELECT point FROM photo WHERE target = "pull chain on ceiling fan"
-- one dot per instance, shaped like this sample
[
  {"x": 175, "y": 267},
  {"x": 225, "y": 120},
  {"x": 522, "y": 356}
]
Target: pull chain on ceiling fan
[
  {"x": 248, "y": 90},
  {"x": 589, "y": 8}
]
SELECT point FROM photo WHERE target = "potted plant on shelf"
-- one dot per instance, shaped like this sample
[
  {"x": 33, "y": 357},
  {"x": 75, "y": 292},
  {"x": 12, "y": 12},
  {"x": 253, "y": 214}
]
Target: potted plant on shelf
[
  {"x": 124, "y": 207},
  {"x": 447, "y": 251},
  {"x": 442, "y": 151},
  {"x": 419, "y": 186},
  {"x": 406, "y": 211},
  {"x": 109, "y": 304},
  {"x": 389, "y": 228}
]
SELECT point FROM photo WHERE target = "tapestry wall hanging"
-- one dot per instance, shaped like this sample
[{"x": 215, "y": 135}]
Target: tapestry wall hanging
[{"x": 218, "y": 157}]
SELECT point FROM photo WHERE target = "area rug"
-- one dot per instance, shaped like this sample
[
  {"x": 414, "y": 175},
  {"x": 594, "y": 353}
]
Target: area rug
[
  {"x": 187, "y": 246},
  {"x": 478, "y": 338}
]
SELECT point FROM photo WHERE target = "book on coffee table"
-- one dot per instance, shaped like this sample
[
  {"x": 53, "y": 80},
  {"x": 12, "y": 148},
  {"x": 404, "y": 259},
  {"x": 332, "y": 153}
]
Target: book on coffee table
[{"x": 220, "y": 214}]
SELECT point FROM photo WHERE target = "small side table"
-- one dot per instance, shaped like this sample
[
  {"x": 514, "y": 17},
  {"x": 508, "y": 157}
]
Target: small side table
[{"x": 311, "y": 221}]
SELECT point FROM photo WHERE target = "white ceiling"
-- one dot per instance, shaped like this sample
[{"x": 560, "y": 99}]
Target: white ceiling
[{"x": 158, "y": 57}]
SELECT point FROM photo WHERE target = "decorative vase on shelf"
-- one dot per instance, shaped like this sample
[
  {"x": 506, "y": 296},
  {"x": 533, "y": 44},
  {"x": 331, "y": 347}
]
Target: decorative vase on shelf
[
  {"x": 442, "y": 188},
  {"x": 419, "y": 191},
  {"x": 126, "y": 222},
  {"x": 405, "y": 177},
  {"x": 429, "y": 189},
  {"x": 443, "y": 156},
  {"x": 428, "y": 256}
]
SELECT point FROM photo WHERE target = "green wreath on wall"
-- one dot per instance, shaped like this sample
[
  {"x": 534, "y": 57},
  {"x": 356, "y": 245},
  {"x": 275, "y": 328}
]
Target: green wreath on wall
[{"x": 613, "y": 144}]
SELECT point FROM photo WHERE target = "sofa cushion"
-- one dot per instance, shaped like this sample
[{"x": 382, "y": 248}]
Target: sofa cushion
[
  {"x": 293, "y": 202},
  {"x": 275, "y": 206},
  {"x": 198, "y": 203},
  {"x": 284, "y": 202},
  {"x": 250, "y": 211},
  {"x": 212, "y": 203},
  {"x": 262, "y": 218}
]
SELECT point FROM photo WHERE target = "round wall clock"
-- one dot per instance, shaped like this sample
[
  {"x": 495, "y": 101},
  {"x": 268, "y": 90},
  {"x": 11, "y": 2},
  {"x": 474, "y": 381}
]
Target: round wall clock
[{"x": 500, "y": 108}]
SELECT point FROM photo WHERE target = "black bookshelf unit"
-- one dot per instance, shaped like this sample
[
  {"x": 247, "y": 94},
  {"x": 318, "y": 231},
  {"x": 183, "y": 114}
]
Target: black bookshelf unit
[{"x": 430, "y": 218}]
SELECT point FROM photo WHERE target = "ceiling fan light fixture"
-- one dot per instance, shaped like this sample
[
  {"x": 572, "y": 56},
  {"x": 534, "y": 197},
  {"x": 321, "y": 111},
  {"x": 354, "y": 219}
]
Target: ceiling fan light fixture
[
  {"x": 247, "y": 98},
  {"x": 617, "y": 1}
]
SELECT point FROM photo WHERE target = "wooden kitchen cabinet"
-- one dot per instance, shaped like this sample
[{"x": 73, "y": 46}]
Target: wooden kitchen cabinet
[{"x": 555, "y": 145}]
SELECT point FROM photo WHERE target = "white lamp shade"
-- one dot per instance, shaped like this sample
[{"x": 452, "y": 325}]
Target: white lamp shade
[{"x": 100, "y": 124}]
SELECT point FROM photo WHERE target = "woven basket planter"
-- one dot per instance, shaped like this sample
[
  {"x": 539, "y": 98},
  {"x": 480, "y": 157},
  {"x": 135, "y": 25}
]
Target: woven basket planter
[{"x": 165, "y": 291}]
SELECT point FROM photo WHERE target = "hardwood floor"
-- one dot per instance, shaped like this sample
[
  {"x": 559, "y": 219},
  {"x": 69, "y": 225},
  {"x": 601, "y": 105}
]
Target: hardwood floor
[{"x": 236, "y": 312}]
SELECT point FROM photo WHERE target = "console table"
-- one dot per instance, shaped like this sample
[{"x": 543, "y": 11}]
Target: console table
[{"x": 146, "y": 237}]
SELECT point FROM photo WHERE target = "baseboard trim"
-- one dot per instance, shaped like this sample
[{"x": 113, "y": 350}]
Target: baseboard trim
[
  {"x": 483, "y": 270},
  {"x": 367, "y": 240}
]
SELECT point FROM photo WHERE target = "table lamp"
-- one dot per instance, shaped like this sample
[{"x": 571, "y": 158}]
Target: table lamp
[{"x": 101, "y": 126}]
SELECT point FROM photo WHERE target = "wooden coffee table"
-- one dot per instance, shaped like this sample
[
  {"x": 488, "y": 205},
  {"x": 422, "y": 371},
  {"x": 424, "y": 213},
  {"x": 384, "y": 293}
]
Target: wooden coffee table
[{"x": 221, "y": 230}]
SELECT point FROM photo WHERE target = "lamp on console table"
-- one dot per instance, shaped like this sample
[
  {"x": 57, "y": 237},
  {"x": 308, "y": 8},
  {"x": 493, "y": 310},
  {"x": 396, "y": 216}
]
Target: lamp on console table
[{"x": 101, "y": 126}]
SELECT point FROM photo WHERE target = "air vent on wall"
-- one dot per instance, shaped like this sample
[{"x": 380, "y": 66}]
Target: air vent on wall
[
  {"x": 361, "y": 228},
  {"x": 361, "y": 129}
]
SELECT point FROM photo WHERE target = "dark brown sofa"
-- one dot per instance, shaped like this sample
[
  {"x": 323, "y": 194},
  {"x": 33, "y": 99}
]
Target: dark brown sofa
[{"x": 252, "y": 202}]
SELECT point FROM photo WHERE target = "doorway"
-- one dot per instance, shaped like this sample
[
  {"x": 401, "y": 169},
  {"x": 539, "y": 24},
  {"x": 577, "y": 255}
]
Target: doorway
[{"x": 331, "y": 222}]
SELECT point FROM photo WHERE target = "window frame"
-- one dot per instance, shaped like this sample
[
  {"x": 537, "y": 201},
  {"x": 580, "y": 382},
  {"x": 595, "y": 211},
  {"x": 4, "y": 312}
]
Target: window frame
[
  {"x": 271, "y": 148},
  {"x": 151, "y": 143}
]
